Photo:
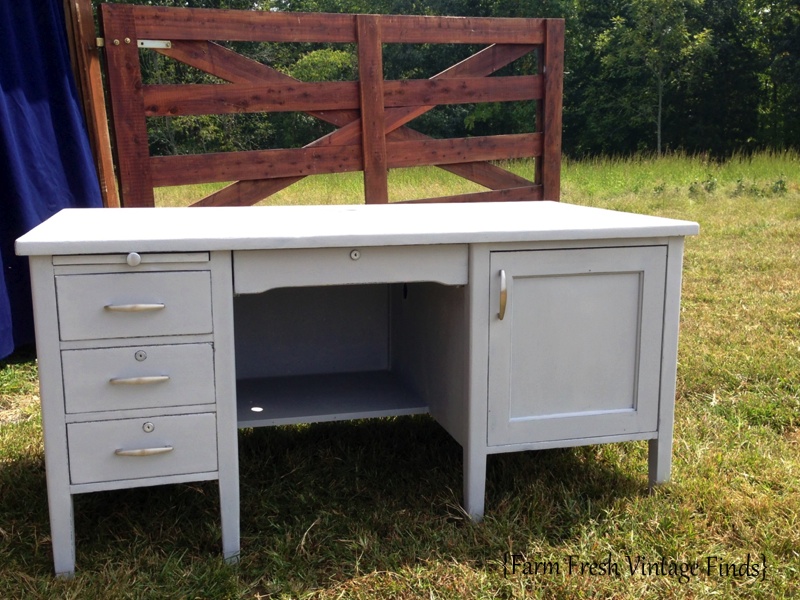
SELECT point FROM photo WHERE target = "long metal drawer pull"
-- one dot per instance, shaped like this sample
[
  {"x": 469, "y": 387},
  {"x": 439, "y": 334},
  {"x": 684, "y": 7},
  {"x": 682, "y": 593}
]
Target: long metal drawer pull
[
  {"x": 144, "y": 451},
  {"x": 139, "y": 380},
  {"x": 503, "y": 294},
  {"x": 134, "y": 307}
]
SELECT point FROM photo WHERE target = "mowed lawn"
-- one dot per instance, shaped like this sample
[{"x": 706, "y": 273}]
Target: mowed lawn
[{"x": 371, "y": 508}]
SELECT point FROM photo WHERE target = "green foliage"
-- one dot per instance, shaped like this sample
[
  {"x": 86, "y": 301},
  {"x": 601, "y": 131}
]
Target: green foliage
[
  {"x": 325, "y": 65},
  {"x": 647, "y": 53},
  {"x": 293, "y": 130}
]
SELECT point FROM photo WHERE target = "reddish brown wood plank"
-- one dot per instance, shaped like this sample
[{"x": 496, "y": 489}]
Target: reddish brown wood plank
[
  {"x": 204, "y": 99},
  {"x": 221, "y": 62},
  {"x": 373, "y": 139},
  {"x": 520, "y": 34},
  {"x": 461, "y": 150},
  {"x": 482, "y": 173},
  {"x": 296, "y": 163},
  {"x": 487, "y": 175},
  {"x": 230, "y": 66},
  {"x": 127, "y": 108},
  {"x": 194, "y": 23},
  {"x": 254, "y": 164},
  {"x": 461, "y": 30},
  {"x": 510, "y": 195},
  {"x": 553, "y": 84},
  {"x": 461, "y": 90},
  {"x": 233, "y": 67},
  {"x": 482, "y": 63},
  {"x": 246, "y": 192},
  {"x": 242, "y": 25},
  {"x": 539, "y": 117}
]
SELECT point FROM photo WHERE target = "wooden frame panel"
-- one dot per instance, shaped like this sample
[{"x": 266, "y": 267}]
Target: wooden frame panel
[{"x": 371, "y": 115}]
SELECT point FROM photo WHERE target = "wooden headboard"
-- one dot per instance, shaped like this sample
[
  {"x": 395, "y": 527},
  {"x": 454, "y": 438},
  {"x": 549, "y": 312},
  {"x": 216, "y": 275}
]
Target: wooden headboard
[{"x": 370, "y": 114}]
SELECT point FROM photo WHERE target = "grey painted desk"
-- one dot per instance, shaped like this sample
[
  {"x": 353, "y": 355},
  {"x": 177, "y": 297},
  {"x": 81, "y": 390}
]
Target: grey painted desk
[{"x": 517, "y": 326}]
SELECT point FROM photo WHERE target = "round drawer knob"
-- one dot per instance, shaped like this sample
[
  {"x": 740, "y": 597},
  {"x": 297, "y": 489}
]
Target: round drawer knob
[
  {"x": 148, "y": 427},
  {"x": 134, "y": 259}
]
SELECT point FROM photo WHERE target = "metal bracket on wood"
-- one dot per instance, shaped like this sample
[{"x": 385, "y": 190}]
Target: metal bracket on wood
[
  {"x": 154, "y": 44},
  {"x": 101, "y": 42}
]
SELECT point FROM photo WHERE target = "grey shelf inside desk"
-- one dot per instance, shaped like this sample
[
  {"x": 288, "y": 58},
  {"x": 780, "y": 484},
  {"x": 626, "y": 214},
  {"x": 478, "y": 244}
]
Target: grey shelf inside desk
[{"x": 269, "y": 401}]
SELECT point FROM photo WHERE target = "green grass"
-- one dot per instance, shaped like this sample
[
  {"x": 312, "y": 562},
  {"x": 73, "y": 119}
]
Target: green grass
[{"x": 371, "y": 509}]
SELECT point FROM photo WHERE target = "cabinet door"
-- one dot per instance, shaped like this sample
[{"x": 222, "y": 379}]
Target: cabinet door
[{"x": 577, "y": 353}]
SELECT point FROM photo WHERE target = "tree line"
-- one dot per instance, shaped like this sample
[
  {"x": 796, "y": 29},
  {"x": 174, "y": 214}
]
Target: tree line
[{"x": 641, "y": 76}]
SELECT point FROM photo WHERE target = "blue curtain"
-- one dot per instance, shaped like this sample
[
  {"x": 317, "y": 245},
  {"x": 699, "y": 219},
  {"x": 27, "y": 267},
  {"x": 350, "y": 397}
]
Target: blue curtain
[{"x": 45, "y": 159}]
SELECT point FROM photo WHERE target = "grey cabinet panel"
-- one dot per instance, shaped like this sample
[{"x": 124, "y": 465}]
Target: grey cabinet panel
[{"x": 578, "y": 351}]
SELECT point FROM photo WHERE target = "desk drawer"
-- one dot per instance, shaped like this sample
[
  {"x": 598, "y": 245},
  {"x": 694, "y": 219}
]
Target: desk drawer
[
  {"x": 257, "y": 271},
  {"x": 125, "y": 305},
  {"x": 140, "y": 448},
  {"x": 138, "y": 377}
]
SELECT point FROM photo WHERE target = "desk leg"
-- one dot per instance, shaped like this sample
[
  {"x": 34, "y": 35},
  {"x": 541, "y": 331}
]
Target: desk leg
[
  {"x": 54, "y": 430},
  {"x": 228, "y": 457},
  {"x": 660, "y": 449},
  {"x": 62, "y": 535},
  {"x": 474, "y": 482},
  {"x": 225, "y": 381},
  {"x": 659, "y": 459},
  {"x": 229, "y": 513}
]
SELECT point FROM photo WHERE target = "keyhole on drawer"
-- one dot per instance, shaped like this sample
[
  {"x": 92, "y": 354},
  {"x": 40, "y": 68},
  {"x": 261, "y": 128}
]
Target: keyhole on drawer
[
  {"x": 355, "y": 254},
  {"x": 148, "y": 427},
  {"x": 140, "y": 355}
]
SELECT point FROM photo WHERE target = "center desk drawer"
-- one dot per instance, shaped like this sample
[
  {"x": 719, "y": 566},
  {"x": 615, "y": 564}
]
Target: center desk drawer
[
  {"x": 125, "y": 305},
  {"x": 138, "y": 448},
  {"x": 138, "y": 377},
  {"x": 257, "y": 271}
]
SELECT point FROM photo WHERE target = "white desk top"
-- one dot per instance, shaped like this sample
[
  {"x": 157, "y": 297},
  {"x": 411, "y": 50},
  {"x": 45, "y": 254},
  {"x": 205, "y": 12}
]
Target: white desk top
[{"x": 101, "y": 230}]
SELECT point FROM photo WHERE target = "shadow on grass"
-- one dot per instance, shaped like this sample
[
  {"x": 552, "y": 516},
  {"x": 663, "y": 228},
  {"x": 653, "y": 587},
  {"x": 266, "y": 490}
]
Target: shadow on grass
[
  {"x": 23, "y": 354},
  {"x": 24, "y": 522},
  {"x": 322, "y": 503},
  {"x": 328, "y": 501}
]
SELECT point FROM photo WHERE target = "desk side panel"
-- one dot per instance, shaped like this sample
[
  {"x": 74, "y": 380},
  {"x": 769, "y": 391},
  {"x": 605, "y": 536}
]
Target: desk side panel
[
  {"x": 660, "y": 449},
  {"x": 429, "y": 348},
  {"x": 225, "y": 384},
  {"x": 51, "y": 393}
]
